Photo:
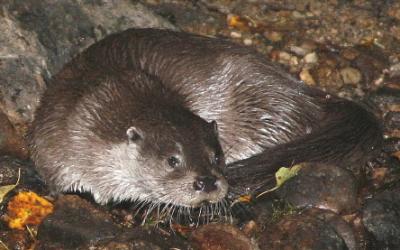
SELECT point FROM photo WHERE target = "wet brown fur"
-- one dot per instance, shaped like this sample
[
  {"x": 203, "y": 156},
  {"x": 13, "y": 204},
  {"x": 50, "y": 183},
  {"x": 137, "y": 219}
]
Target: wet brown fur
[{"x": 266, "y": 118}]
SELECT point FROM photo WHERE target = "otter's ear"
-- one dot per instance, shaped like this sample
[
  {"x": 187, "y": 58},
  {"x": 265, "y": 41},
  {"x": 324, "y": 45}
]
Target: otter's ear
[
  {"x": 133, "y": 134},
  {"x": 214, "y": 126}
]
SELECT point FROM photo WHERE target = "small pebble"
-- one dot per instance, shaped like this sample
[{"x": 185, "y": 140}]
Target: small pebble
[
  {"x": 297, "y": 15},
  {"x": 247, "y": 41},
  {"x": 294, "y": 60},
  {"x": 306, "y": 77},
  {"x": 298, "y": 50},
  {"x": 284, "y": 56},
  {"x": 395, "y": 70},
  {"x": 308, "y": 46},
  {"x": 311, "y": 58},
  {"x": 273, "y": 36},
  {"x": 350, "y": 75},
  {"x": 350, "y": 53},
  {"x": 235, "y": 34}
]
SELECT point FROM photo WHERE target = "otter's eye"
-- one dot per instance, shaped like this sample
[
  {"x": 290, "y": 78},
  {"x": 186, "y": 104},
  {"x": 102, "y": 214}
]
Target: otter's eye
[
  {"x": 173, "y": 161},
  {"x": 217, "y": 159}
]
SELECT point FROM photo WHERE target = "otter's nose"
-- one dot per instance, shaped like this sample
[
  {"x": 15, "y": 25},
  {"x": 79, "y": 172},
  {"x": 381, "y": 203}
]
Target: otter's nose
[{"x": 205, "y": 184}]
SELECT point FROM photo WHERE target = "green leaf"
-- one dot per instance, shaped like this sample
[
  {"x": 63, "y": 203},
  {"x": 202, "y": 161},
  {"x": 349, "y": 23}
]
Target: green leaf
[
  {"x": 282, "y": 175},
  {"x": 4, "y": 190}
]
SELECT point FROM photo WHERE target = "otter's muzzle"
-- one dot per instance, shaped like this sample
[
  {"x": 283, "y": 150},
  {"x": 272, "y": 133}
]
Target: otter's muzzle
[{"x": 205, "y": 183}]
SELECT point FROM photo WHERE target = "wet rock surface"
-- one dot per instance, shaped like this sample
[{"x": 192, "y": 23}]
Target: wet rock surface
[
  {"x": 78, "y": 224},
  {"x": 220, "y": 236},
  {"x": 349, "y": 48},
  {"x": 308, "y": 230},
  {"x": 381, "y": 217},
  {"x": 323, "y": 186},
  {"x": 39, "y": 37},
  {"x": 29, "y": 179},
  {"x": 11, "y": 142}
]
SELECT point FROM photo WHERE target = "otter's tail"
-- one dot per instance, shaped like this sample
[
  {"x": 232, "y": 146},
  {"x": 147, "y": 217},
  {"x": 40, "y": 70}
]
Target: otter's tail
[{"x": 348, "y": 135}]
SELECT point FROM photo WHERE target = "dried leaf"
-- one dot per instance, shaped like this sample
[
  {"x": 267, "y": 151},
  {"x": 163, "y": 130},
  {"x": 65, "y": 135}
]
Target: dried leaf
[
  {"x": 4, "y": 190},
  {"x": 4, "y": 245},
  {"x": 27, "y": 208},
  {"x": 243, "y": 198},
  {"x": 237, "y": 22}
]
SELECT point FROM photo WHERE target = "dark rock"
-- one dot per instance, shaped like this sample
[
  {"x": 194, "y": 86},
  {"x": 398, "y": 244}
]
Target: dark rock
[
  {"x": 189, "y": 16},
  {"x": 75, "y": 223},
  {"x": 22, "y": 82},
  {"x": 8, "y": 171},
  {"x": 220, "y": 236},
  {"x": 371, "y": 62},
  {"x": 29, "y": 177},
  {"x": 15, "y": 239},
  {"x": 384, "y": 171},
  {"x": 323, "y": 186},
  {"x": 310, "y": 230},
  {"x": 278, "y": 217},
  {"x": 142, "y": 238},
  {"x": 342, "y": 228},
  {"x": 10, "y": 141},
  {"x": 39, "y": 37},
  {"x": 64, "y": 28},
  {"x": 392, "y": 120},
  {"x": 127, "y": 245},
  {"x": 381, "y": 217},
  {"x": 385, "y": 96},
  {"x": 392, "y": 145}
]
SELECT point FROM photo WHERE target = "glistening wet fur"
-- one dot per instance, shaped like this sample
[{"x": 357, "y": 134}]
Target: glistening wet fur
[{"x": 155, "y": 115}]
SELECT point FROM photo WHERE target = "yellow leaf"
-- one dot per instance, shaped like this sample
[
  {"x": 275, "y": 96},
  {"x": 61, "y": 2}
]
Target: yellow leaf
[
  {"x": 282, "y": 175},
  {"x": 245, "y": 198},
  {"x": 4, "y": 190}
]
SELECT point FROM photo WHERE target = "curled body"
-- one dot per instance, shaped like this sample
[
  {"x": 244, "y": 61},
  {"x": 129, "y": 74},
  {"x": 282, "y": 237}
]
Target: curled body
[{"x": 154, "y": 115}]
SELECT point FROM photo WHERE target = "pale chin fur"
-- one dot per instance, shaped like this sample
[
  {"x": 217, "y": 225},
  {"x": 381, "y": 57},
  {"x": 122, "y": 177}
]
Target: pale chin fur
[
  {"x": 129, "y": 179},
  {"x": 213, "y": 197},
  {"x": 183, "y": 193}
]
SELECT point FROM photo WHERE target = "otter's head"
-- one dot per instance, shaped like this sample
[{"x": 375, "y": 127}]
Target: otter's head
[{"x": 175, "y": 160}]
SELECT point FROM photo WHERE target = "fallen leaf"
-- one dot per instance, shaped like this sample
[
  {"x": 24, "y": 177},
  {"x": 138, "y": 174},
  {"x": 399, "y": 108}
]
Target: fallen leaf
[
  {"x": 4, "y": 245},
  {"x": 281, "y": 176},
  {"x": 243, "y": 198},
  {"x": 237, "y": 22},
  {"x": 4, "y": 190},
  {"x": 27, "y": 208}
]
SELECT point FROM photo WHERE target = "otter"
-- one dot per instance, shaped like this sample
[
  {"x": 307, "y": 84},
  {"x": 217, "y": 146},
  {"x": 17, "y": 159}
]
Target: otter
[{"x": 171, "y": 117}]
